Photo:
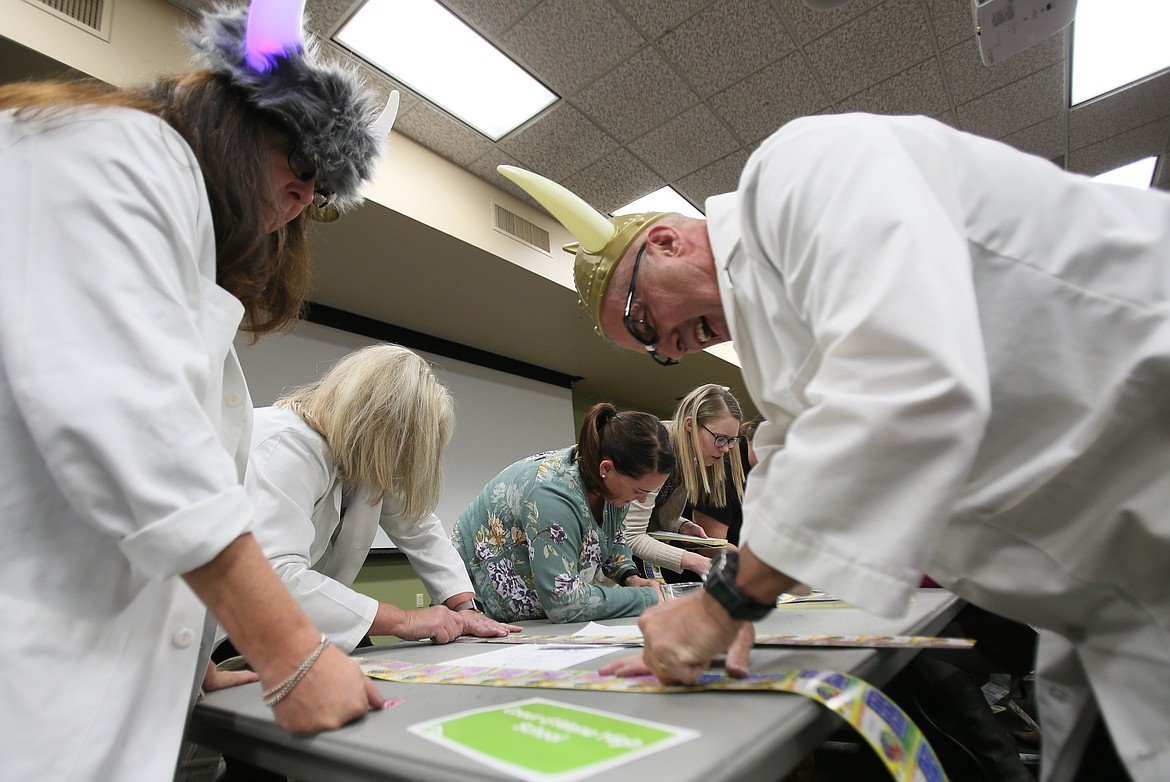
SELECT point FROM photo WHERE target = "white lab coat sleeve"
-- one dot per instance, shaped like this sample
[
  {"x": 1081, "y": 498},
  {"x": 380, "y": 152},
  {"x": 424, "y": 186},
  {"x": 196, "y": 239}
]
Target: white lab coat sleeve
[
  {"x": 636, "y": 528},
  {"x": 863, "y": 238},
  {"x": 289, "y": 472},
  {"x": 428, "y": 547},
  {"x": 106, "y": 328}
]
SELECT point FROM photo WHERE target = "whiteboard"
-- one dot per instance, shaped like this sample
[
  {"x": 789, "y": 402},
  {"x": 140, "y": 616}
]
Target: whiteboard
[{"x": 499, "y": 417}]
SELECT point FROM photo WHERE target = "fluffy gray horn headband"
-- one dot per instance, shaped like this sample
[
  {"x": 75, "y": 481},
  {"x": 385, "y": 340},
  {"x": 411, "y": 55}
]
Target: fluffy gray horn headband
[{"x": 329, "y": 110}]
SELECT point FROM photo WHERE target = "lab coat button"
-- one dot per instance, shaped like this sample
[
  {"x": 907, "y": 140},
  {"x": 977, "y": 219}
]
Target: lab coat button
[
  {"x": 234, "y": 399},
  {"x": 183, "y": 638},
  {"x": 1058, "y": 693}
]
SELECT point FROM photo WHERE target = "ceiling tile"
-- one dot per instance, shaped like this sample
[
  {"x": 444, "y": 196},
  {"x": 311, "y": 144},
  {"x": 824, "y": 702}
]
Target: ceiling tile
[
  {"x": 1016, "y": 106},
  {"x": 619, "y": 101},
  {"x": 953, "y": 21},
  {"x": 490, "y": 17},
  {"x": 1119, "y": 111},
  {"x": 1048, "y": 139},
  {"x": 485, "y": 168},
  {"x": 326, "y": 16},
  {"x": 699, "y": 47},
  {"x": 562, "y": 142},
  {"x": 768, "y": 98},
  {"x": 808, "y": 23},
  {"x": 969, "y": 78},
  {"x": 871, "y": 47},
  {"x": 655, "y": 17},
  {"x": 614, "y": 181},
  {"x": 441, "y": 133},
  {"x": 549, "y": 41},
  {"x": 722, "y": 176},
  {"x": 684, "y": 144},
  {"x": 917, "y": 90},
  {"x": 1121, "y": 149}
]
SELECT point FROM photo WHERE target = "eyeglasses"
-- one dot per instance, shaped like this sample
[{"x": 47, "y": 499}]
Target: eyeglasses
[
  {"x": 639, "y": 328},
  {"x": 722, "y": 440},
  {"x": 305, "y": 170}
]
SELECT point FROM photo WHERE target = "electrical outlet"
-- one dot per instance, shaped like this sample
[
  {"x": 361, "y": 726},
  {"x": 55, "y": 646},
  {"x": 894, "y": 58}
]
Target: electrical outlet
[{"x": 418, "y": 600}]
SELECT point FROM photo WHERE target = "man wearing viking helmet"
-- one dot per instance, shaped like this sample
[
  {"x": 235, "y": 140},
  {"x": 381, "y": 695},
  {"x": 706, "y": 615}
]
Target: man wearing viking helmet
[{"x": 962, "y": 353}]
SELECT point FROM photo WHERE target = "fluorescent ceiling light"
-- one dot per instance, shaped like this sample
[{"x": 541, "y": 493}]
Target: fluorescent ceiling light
[
  {"x": 1140, "y": 173},
  {"x": 1116, "y": 42},
  {"x": 425, "y": 47},
  {"x": 665, "y": 199}
]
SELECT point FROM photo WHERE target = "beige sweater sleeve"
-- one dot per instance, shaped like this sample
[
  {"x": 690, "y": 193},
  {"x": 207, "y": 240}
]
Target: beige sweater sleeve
[{"x": 645, "y": 547}]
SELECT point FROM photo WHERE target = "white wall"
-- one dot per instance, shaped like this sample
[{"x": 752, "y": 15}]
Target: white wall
[{"x": 499, "y": 417}]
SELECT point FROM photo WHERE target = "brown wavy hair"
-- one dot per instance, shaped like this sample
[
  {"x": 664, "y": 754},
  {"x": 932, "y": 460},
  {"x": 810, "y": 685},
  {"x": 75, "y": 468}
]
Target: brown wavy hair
[
  {"x": 268, "y": 271},
  {"x": 636, "y": 443}
]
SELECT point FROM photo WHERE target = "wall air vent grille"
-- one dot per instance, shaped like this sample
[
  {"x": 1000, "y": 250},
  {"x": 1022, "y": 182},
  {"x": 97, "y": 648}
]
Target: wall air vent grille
[
  {"x": 90, "y": 15},
  {"x": 522, "y": 230}
]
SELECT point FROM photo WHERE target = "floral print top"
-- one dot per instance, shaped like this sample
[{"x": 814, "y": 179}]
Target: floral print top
[{"x": 533, "y": 549}]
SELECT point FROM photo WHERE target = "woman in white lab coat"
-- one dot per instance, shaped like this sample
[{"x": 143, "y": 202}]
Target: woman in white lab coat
[
  {"x": 149, "y": 225},
  {"x": 330, "y": 462}
]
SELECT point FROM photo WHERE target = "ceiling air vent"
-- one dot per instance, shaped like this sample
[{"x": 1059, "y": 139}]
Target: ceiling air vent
[
  {"x": 521, "y": 230},
  {"x": 93, "y": 16}
]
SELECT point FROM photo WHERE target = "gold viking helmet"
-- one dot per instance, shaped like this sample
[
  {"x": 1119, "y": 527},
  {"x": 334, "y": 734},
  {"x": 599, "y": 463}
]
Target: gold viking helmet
[{"x": 601, "y": 241}]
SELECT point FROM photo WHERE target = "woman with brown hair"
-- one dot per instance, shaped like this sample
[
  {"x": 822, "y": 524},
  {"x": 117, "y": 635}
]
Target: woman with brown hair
[
  {"x": 544, "y": 537},
  {"x": 151, "y": 224}
]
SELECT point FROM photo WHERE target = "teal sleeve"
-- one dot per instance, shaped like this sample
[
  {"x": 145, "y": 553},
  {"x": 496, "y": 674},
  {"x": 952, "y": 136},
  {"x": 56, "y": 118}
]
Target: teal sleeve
[{"x": 565, "y": 543}]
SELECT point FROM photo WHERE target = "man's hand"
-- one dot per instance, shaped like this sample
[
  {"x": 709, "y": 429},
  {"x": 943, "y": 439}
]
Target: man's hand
[{"x": 683, "y": 636}]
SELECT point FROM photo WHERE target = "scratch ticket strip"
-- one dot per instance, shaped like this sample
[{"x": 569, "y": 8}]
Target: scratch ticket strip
[
  {"x": 764, "y": 639},
  {"x": 897, "y": 741}
]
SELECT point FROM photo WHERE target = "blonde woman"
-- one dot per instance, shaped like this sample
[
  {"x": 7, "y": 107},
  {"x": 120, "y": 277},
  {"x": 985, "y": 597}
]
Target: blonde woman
[
  {"x": 332, "y": 461},
  {"x": 705, "y": 433}
]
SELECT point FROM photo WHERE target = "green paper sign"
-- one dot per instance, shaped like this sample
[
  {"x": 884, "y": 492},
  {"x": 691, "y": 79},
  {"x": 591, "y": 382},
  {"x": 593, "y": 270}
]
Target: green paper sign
[{"x": 539, "y": 739}]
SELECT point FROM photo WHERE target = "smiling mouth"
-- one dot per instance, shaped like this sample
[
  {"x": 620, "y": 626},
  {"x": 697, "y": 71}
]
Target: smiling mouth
[{"x": 703, "y": 333}]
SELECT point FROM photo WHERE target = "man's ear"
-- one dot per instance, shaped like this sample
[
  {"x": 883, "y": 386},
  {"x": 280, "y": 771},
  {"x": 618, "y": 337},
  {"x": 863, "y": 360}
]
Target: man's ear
[{"x": 666, "y": 239}]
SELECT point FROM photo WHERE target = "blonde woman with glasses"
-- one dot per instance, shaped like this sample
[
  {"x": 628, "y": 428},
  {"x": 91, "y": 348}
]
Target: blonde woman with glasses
[{"x": 705, "y": 435}]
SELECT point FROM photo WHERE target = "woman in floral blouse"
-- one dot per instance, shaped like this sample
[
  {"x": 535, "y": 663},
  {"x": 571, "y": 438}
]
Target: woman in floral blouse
[{"x": 544, "y": 537}]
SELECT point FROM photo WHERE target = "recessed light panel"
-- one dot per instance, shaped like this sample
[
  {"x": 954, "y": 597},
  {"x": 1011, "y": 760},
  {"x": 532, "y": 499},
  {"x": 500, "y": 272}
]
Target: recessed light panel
[
  {"x": 1116, "y": 42},
  {"x": 665, "y": 199},
  {"x": 425, "y": 47},
  {"x": 1139, "y": 173}
]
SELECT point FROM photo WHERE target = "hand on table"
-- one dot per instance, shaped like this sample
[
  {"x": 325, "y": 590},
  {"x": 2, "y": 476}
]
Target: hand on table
[
  {"x": 215, "y": 679},
  {"x": 682, "y": 637},
  {"x": 438, "y": 623},
  {"x": 334, "y": 692},
  {"x": 481, "y": 626}
]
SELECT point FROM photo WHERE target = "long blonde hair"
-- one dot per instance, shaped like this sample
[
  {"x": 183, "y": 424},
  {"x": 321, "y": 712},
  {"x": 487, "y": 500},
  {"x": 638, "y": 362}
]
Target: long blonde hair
[
  {"x": 703, "y": 405},
  {"x": 386, "y": 419}
]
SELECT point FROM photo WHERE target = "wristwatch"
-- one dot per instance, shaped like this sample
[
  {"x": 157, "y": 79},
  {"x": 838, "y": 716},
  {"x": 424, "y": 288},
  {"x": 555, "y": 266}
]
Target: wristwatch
[
  {"x": 720, "y": 584},
  {"x": 470, "y": 605}
]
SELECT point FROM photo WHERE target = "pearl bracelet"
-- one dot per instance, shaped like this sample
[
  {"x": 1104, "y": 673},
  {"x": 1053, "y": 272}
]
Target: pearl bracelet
[{"x": 281, "y": 691}]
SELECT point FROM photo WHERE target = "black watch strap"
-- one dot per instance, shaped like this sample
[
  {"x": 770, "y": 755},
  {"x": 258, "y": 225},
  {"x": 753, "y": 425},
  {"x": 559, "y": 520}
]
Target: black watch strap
[{"x": 719, "y": 583}]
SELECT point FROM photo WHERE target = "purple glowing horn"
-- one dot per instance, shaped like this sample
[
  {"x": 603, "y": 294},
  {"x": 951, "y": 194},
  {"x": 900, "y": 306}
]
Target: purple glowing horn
[{"x": 274, "y": 28}]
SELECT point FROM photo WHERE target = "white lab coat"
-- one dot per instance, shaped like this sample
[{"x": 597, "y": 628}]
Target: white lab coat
[
  {"x": 298, "y": 496},
  {"x": 969, "y": 351},
  {"x": 122, "y": 406}
]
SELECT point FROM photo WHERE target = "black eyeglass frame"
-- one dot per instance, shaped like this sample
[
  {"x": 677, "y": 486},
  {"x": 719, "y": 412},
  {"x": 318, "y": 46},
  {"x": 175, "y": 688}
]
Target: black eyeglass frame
[
  {"x": 728, "y": 442},
  {"x": 304, "y": 169},
  {"x": 639, "y": 328}
]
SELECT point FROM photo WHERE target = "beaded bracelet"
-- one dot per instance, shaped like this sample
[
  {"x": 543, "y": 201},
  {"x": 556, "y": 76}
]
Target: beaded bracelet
[{"x": 281, "y": 691}]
